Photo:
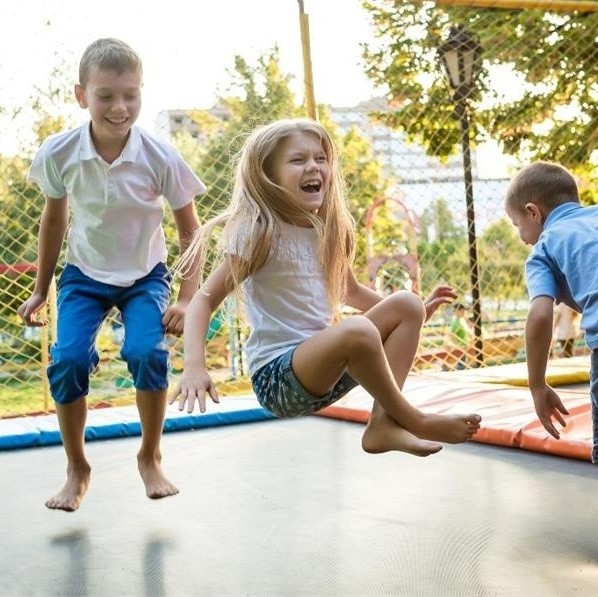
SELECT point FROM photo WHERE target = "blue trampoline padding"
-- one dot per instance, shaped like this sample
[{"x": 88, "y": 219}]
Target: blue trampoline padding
[{"x": 123, "y": 421}]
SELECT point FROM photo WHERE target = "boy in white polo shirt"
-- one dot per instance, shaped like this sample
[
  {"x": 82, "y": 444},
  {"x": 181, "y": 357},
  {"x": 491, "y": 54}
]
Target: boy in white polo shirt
[{"x": 113, "y": 176}]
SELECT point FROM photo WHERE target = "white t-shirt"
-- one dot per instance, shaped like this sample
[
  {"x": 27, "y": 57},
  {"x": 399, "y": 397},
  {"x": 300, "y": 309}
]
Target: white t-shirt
[
  {"x": 285, "y": 300},
  {"x": 115, "y": 234}
]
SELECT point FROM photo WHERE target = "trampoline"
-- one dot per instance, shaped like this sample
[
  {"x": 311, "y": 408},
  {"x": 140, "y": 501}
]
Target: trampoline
[{"x": 294, "y": 507}]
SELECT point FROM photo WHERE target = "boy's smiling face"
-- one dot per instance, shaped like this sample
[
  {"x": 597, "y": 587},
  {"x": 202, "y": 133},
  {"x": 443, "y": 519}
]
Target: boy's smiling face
[{"x": 114, "y": 102}]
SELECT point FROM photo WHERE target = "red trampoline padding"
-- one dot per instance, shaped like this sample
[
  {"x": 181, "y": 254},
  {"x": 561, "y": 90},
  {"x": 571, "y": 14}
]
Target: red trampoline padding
[{"x": 508, "y": 415}]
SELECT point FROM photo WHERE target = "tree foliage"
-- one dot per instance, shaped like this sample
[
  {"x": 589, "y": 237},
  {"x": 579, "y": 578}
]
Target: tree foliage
[{"x": 536, "y": 93}]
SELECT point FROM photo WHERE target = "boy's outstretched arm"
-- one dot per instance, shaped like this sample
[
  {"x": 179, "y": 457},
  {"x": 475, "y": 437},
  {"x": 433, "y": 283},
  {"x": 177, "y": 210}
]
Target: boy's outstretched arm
[
  {"x": 538, "y": 339},
  {"x": 52, "y": 228},
  {"x": 195, "y": 380},
  {"x": 187, "y": 222}
]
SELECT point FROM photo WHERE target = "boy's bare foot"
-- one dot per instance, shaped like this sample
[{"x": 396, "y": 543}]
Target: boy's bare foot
[
  {"x": 451, "y": 429},
  {"x": 382, "y": 434},
  {"x": 70, "y": 496},
  {"x": 157, "y": 486}
]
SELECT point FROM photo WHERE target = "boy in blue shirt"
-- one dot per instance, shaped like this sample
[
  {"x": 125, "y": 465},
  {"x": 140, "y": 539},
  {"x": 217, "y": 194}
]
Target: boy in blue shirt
[
  {"x": 543, "y": 203},
  {"x": 112, "y": 177}
]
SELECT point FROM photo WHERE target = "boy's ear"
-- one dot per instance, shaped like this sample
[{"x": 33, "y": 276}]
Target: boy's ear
[
  {"x": 80, "y": 95},
  {"x": 533, "y": 210}
]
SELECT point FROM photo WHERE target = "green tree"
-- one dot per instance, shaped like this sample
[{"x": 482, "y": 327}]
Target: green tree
[
  {"x": 502, "y": 259},
  {"x": 550, "y": 58}
]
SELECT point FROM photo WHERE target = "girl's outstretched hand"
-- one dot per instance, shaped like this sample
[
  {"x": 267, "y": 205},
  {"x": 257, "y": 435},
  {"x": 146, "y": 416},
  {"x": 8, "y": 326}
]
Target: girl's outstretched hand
[
  {"x": 193, "y": 386},
  {"x": 441, "y": 295}
]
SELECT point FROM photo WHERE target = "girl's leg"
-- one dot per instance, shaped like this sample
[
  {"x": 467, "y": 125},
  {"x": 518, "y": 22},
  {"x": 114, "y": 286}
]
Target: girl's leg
[
  {"x": 399, "y": 319},
  {"x": 358, "y": 345}
]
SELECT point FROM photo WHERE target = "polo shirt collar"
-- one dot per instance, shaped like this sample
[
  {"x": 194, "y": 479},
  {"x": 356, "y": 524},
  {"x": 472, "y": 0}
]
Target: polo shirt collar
[
  {"x": 561, "y": 210},
  {"x": 128, "y": 154}
]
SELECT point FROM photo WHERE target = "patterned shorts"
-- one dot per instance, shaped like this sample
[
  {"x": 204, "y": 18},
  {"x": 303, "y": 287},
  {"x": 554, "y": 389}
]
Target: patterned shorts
[{"x": 279, "y": 391}]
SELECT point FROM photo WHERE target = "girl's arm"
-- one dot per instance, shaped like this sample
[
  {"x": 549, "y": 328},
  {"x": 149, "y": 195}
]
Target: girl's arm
[
  {"x": 52, "y": 228},
  {"x": 363, "y": 298},
  {"x": 359, "y": 296},
  {"x": 187, "y": 222},
  {"x": 195, "y": 380}
]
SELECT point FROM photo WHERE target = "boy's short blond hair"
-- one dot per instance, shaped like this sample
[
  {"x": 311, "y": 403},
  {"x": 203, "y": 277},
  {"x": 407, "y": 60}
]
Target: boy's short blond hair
[
  {"x": 545, "y": 184},
  {"x": 108, "y": 54}
]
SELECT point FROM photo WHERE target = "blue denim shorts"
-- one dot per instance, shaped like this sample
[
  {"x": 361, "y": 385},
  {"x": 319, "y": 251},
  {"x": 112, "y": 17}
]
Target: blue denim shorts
[
  {"x": 83, "y": 304},
  {"x": 279, "y": 391}
]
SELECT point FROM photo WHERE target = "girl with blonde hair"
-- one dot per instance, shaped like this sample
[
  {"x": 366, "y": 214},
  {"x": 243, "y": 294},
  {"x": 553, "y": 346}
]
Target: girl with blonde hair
[{"x": 286, "y": 247}]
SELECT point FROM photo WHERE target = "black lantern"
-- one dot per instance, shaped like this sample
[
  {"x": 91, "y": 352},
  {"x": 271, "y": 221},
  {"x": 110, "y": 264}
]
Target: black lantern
[{"x": 460, "y": 55}]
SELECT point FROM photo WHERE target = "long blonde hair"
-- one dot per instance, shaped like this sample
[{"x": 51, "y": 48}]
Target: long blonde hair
[{"x": 258, "y": 205}]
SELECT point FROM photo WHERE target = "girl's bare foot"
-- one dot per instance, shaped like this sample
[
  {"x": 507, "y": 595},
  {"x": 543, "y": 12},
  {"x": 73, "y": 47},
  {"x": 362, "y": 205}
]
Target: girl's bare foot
[
  {"x": 451, "y": 429},
  {"x": 157, "y": 486},
  {"x": 382, "y": 434},
  {"x": 70, "y": 496}
]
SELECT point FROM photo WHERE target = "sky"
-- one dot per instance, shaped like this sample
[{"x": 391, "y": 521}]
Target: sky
[{"x": 186, "y": 47}]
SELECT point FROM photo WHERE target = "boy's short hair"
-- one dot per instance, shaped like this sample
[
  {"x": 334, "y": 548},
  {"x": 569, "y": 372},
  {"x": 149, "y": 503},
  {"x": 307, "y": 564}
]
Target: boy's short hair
[
  {"x": 108, "y": 53},
  {"x": 544, "y": 183}
]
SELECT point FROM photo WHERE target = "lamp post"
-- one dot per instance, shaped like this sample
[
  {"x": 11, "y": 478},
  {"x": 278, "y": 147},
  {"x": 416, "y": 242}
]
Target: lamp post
[{"x": 460, "y": 55}]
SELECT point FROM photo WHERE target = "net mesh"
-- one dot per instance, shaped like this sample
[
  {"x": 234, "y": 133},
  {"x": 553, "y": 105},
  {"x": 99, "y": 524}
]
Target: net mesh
[{"x": 426, "y": 164}]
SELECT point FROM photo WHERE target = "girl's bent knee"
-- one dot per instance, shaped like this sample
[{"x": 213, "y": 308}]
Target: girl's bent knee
[
  {"x": 361, "y": 333},
  {"x": 411, "y": 305}
]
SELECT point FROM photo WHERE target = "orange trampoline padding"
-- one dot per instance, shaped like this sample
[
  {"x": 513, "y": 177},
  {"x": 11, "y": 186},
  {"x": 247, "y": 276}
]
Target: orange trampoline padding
[{"x": 508, "y": 415}]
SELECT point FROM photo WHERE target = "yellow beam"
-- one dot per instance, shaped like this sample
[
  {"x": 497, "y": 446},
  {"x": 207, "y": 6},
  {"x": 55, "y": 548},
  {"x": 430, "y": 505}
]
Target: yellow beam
[
  {"x": 550, "y": 5},
  {"x": 308, "y": 80}
]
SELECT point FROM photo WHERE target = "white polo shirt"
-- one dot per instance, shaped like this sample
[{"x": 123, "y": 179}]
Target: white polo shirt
[{"x": 115, "y": 233}]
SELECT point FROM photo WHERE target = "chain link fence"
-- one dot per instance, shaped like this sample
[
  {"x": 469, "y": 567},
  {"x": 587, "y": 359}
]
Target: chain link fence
[{"x": 426, "y": 163}]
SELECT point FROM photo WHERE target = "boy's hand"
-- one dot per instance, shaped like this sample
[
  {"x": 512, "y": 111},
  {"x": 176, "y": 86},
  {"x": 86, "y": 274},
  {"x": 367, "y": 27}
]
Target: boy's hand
[
  {"x": 192, "y": 387},
  {"x": 30, "y": 307},
  {"x": 174, "y": 318},
  {"x": 441, "y": 295},
  {"x": 548, "y": 405}
]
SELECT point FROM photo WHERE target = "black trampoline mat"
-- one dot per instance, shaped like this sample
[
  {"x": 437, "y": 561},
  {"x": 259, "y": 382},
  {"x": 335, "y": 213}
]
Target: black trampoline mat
[{"x": 296, "y": 508}]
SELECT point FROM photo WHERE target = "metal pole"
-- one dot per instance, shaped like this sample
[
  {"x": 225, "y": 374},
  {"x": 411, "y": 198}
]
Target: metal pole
[
  {"x": 461, "y": 110},
  {"x": 308, "y": 81}
]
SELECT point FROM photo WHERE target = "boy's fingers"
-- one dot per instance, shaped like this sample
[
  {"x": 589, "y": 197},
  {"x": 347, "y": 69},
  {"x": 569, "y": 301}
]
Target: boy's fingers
[
  {"x": 560, "y": 406},
  {"x": 559, "y": 417},
  {"x": 551, "y": 429}
]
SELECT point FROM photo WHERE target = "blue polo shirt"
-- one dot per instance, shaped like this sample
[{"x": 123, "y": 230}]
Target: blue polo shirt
[{"x": 563, "y": 264}]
